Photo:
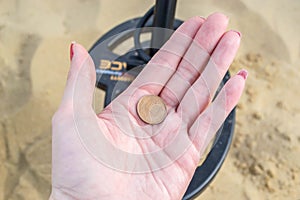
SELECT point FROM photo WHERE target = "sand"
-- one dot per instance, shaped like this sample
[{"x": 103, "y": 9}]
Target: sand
[{"x": 263, "y": 162}]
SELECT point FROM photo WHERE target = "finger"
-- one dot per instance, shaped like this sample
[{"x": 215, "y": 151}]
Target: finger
[
  {"x": 203, "y": 90},
  {"x": 164, "y": 63},
  {"x": 195, "y": 58},
  {"x": 207, "y": 124},
  {"x": 81, "y": 78}
]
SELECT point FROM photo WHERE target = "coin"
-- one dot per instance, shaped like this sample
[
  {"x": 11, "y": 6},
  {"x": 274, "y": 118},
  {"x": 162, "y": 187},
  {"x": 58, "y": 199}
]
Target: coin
[{"x": 151, "y": 109}]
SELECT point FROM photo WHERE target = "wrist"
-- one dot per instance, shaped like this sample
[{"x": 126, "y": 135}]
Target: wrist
[{"x": 57, "y": 194}]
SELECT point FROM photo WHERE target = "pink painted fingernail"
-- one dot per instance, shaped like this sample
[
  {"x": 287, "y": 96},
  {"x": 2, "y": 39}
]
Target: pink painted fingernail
[
  {"x": 202, "y": 17},
  {"x": 243, "y": 73},
  {"x": 72, "y": 50},
  {"x": 239, "y": 33}
]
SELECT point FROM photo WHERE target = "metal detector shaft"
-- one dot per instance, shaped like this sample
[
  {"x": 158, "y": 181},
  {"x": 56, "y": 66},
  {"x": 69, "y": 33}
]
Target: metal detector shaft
[{"x": 164, "y": 15}]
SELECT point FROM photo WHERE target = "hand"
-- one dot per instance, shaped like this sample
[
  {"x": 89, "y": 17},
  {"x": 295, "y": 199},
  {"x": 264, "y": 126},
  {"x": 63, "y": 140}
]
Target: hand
[{"x": 114, "y": 155}]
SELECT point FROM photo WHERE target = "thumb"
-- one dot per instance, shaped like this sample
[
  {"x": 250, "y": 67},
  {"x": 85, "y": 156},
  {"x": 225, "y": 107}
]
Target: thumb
[{"x": 81, "y": 79}]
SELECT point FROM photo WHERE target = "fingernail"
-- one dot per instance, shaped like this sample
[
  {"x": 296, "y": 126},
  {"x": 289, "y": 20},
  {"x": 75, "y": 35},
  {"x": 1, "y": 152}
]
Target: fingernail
[
  {"x": 202, "y": 17},
  {"x": 239, "y": 33},
  {"x": 243, "y": 73},
  {"x": 72, "y": 50}
]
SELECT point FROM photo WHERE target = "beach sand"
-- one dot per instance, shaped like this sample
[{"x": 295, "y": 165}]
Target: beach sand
[{"x": 263, "y": 162}]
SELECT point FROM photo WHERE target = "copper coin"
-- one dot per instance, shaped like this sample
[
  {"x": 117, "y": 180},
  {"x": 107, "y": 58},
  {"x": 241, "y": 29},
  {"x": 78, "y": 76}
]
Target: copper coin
[{"x": 151, "y": 109}]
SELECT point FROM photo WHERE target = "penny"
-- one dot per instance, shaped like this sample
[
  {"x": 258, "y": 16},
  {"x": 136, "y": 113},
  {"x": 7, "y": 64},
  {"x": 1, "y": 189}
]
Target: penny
[{"x": 151, "y": 109}]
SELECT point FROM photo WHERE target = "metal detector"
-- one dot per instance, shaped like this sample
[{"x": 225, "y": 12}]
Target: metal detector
[{"x": 110, "y": 67}]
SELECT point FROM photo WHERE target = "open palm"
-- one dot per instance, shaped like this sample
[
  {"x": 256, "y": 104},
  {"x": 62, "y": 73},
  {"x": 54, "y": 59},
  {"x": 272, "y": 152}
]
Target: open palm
[{"x": 115, "y": 155}]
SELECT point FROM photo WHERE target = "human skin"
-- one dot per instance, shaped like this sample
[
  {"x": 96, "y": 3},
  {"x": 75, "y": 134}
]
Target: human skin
[{"x": 189, "y": 71}]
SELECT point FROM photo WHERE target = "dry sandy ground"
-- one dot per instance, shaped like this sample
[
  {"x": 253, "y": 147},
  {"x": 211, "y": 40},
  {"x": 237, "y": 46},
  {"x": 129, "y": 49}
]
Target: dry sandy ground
[{"x": 263, "y": 162}]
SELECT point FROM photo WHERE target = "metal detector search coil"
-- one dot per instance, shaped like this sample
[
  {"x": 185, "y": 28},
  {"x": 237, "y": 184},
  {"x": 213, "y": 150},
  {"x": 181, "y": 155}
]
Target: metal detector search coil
[{"x": 116, "y": 72}]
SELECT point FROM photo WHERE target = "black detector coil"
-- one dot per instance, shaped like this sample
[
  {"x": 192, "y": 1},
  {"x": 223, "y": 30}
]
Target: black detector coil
[{"x": 110, "y": 70}]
